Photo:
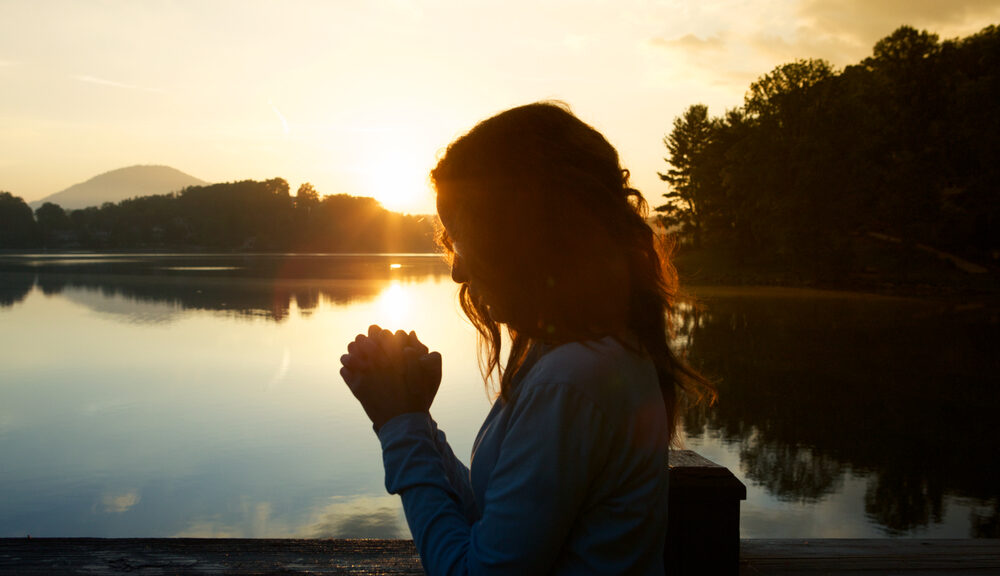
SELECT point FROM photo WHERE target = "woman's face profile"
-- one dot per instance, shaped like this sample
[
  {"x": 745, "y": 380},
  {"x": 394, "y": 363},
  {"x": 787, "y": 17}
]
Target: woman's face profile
[
  {"x": 459, "y": 268},
  {"x": 461, "y": 274}
]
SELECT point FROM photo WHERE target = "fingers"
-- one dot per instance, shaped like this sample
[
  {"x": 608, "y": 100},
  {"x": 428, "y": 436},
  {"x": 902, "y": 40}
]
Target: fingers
[
  {"x": 354, "y": 362},
  {"x": 401, "y": 339},
  {"x": 415, "y": 342},
  {"x": 358, "y": 354},
  {"x": 369, "y": 349},
  {"x": 355, "y": 357},
  {"x": 411, "y": 364},
  {"x": 350, "y": 378},
  {"x": 385, "y": 342},
  {"x": 381, "y": 347},
  {"x": 430, "y": 366},
  {"x": 431, "y": 359}
]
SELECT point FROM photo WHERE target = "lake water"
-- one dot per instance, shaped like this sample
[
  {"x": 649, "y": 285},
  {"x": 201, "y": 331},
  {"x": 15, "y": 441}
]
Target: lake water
[{"x": 160, "y": 395}]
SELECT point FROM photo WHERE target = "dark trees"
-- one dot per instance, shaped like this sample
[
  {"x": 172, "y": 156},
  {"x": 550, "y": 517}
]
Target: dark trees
[
  {"x": 307, "y": 201},
  {"x": 691, "y": 135},
  {"x": 247, "y": 215},
  {"x": 53, "y": 224},
  {"x": 17, "y": 226},
  {"x": 901, "y": 144}
]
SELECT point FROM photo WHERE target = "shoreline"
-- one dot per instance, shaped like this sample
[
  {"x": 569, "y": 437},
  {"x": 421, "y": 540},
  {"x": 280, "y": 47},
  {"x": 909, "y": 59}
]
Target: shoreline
[
  {"x": 877, "y": 270},
  {"x": 698, "y": 271}
]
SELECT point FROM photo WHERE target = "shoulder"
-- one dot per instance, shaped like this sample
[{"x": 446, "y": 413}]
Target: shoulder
[
  {"x": 592, "y": 360},
  {"x": 605, "y": 371}
]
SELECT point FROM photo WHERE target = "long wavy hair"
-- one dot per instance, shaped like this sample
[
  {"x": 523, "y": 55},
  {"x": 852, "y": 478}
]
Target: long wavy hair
[{"x": 559, "y": 238}]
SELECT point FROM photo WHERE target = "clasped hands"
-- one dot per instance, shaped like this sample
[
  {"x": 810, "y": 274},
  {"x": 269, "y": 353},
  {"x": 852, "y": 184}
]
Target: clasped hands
[{"x": 391, "y": 373}]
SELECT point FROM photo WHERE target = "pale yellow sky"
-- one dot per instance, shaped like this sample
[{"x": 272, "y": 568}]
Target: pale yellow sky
[{"x": 360, "y": 97}]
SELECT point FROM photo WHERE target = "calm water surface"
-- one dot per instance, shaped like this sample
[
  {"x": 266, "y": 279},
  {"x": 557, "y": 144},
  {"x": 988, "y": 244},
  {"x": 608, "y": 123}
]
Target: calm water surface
[{"x": 159, "y": 395}]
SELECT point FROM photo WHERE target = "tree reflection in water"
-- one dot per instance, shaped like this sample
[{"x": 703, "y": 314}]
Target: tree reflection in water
[
  {"x": 812, "y": 385},
  {"x": 14, "y": 287},
  {"x": 901, "y": 391},
  {"x": 241, "y": 286}
]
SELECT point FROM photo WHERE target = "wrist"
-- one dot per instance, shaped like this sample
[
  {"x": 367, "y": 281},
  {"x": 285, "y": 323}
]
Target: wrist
[{"x": 406, "y": 421}]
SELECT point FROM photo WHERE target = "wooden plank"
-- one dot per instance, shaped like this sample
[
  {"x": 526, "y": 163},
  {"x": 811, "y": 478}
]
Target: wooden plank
[
  {"x": 694, "y": 476},
  {"x": 691, "y": 459},
  {"x": 867, "y": 556},
  {"x": 96, "y": 556}
]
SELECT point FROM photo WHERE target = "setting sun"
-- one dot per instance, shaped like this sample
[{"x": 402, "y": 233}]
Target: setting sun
[{"x": 397, "y": 179}]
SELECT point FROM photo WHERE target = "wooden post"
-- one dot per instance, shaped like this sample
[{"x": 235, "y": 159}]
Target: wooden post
[{"x": 703, "y": 516}]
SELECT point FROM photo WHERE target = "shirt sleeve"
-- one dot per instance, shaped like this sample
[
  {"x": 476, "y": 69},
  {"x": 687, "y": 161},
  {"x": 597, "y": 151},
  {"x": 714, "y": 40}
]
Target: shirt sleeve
[
  {"x": 555, "y": 441},
  {"x": 416, "y": 434},
  {"x": 457, "y": 472}
]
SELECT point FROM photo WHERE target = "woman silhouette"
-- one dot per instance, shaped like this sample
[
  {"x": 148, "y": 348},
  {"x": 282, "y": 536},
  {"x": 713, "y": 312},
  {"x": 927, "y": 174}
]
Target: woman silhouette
[{"x": 569, "y": 470}]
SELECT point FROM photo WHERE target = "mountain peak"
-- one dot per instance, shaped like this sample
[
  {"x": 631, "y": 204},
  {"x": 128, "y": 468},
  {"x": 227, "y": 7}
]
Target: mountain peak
[{"x": 117, "y": 185}]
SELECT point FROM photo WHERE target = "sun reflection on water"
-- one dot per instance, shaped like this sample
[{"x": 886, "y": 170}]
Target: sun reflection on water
[{"x": 394, "y": 305}]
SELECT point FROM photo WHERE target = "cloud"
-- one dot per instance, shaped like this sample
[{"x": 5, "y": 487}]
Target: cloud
[
  {"x": 358, "y": 517},
  {"x": 735, "y": 54},
  {"x": 281, "y": 117},
  {"x": 865, "y": 14},
  {"x": 249, "y": 520},
  {"x": 576, "y": 42},
  {"x": 726, "y": 61},
  {"x": 863, "y": 22},
  {"x": 112, "y": 83},
  {"x": 210, "y": 528},
  {"x": 690, "y": 42},
  {"x": 339, "y": 517},
  {"x": 838, "y": 49},
  {"x": 744, "y": 43},
  {"x": 119, "y": 503},
  {"x": 282, "y": 370}
]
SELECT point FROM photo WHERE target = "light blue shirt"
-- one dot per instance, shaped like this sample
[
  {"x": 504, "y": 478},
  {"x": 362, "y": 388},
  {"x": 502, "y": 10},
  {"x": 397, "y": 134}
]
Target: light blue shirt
[{"x": 569, "y": 477}]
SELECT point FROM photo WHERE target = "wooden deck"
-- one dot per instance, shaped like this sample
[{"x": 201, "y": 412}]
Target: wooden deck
[
  {"x": 28, "y": 557},
  {"x": 863, "y": 557}
]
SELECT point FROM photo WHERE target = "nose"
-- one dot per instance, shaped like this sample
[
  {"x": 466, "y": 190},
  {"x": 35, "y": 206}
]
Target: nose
[{"x": 458, "y": 272}]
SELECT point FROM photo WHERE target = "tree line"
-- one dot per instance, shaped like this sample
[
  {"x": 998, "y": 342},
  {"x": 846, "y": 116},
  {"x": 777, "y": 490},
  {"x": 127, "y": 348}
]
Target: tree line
[
  {"x": 246, "y": 215},
  {"x": 902, "y": 146}
]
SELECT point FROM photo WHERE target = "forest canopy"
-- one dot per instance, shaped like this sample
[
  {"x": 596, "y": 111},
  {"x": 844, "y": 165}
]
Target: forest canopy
[
  {"x": 246, "y": 215},
  {"x": 902, "y": 146}
]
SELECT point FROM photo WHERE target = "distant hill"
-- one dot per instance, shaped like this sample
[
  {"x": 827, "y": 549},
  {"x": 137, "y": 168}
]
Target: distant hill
[{"x": 117, "y": 185}]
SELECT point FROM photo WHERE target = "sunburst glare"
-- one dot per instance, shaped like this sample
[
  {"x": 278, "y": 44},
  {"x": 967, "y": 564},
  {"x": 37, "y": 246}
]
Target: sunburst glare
[
  {"x": 394, "y": 305},
  {"x": 398, "y": 180}
]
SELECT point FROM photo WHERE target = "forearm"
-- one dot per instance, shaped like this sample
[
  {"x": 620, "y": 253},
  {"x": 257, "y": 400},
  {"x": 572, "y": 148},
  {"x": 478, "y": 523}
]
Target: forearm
[{"x": 435, "y": 511}]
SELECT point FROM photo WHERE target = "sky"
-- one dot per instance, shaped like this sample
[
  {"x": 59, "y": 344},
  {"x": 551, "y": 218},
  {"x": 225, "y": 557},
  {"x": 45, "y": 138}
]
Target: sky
[{"x": 362, "y": 97}]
